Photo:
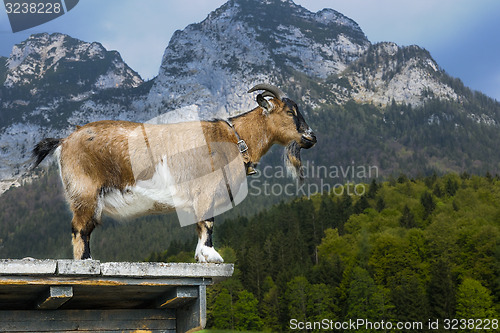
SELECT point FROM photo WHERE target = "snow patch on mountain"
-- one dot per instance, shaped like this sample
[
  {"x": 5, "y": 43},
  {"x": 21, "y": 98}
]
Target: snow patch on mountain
[{"x": 116, "y": 76}]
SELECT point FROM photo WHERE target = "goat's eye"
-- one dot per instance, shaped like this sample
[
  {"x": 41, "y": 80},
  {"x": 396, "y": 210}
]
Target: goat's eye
[{"x": 290, "y": 113}]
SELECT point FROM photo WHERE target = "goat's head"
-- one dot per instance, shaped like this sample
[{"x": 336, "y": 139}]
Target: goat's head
[{"x": 287, "y": 124}]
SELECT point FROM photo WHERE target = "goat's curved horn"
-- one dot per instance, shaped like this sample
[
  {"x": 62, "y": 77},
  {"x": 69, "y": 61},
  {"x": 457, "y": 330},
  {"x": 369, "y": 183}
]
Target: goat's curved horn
[
  {"x": 270, "y": 90},
  {"x": 267, "y": 94}
]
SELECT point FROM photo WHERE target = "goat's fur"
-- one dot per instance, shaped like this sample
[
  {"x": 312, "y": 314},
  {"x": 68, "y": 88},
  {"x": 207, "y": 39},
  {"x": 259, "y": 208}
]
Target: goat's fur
[
  {"x": 126, "y": 169},
  {"x": 293, "y": 162}
]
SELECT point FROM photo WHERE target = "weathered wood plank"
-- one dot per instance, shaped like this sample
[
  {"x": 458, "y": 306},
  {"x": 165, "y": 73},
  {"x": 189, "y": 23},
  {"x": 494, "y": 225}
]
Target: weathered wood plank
[
  {"x": 113, "y": 331},
  {"x": 54, "y": 297},
  {"x": 178, "y": 296},
  {"x": 102, "y": 281},
  {"x": 193, "y": 316},
  {"x": 87, "y": 320}
]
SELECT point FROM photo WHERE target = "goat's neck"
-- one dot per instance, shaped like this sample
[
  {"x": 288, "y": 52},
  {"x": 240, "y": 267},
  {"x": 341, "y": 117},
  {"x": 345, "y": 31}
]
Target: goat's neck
[{"x": 252, "y": 127}]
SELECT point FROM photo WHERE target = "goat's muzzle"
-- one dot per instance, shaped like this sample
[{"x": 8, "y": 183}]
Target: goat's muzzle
[{"x": 308, "y": 140}]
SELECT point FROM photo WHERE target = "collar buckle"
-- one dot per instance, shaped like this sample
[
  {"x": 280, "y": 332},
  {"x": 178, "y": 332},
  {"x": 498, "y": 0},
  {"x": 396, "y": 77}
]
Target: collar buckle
[{"x": 242, "y": 146}]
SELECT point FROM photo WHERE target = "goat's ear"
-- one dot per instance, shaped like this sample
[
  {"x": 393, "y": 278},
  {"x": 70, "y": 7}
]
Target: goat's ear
[{"x": 264, "y": 104}]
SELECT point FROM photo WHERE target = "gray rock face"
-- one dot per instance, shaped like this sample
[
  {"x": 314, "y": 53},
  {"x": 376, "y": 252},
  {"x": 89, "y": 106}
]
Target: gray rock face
[
  {"x": 213, "y": 63},
  {"x": 50, "y": 83}
]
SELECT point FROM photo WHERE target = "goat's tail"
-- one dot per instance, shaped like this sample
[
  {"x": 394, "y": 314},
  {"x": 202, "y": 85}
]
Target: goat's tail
[{"x": 44, "y": 148}]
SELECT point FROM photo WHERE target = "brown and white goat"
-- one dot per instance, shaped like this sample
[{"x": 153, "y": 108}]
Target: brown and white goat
[{"x": 98, "y": 164}]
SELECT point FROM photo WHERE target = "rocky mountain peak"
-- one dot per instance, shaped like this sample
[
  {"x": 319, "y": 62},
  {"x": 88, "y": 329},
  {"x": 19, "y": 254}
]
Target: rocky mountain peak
[
  {"x": 388, "y": 72},
  {"x": 46, "y": 56},
  {"x": 46, "y": 83},
  {"x": 245, "y": 42}
]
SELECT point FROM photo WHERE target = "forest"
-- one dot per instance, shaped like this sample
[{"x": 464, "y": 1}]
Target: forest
[{"x": 408, "y": 250}]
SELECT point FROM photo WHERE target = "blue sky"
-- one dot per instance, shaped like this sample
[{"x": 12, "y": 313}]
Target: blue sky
[{"x": 462, "y": 35}]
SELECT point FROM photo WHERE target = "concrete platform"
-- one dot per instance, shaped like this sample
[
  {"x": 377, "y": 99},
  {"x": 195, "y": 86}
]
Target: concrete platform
[{"x": 76, "y": 295}]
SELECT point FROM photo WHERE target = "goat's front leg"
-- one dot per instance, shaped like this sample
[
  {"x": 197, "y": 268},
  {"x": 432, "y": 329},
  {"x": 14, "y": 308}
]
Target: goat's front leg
[{"x": 205, "y": 251}]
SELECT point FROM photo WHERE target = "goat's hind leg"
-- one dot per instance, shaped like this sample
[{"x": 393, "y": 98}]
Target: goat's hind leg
[
  {"x": 83, "y": 223},
  {"x": 205, "y": 251}
]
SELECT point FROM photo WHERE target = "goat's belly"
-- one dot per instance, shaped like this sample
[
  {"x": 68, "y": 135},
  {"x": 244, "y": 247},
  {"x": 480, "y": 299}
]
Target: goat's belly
[
  {"x": 136, "y": 201},
  {"x": 156, "y": 195}
]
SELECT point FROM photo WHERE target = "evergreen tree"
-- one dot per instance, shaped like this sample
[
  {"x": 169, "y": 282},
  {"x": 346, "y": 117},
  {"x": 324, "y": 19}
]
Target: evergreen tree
[
  {"x": 402, "y": 178},
  {"x": 372, "y": 268},
  {"x": 380, "y": 204},
  {"x": 270, "y": 306},
  {"x": 441, "y": 290},
  {"x": 246, "y": 315},
  {"x": 451, "y": 187},
  {"x": 344, "y": 210},
  {"x": 437, "y": 190},
  {"x": 364, "y": 248},
  {"x": 311, "y": 227},
  {"x": 320, "y": 303},
  {"x": 431, "y": 180},
  {"x": 254, "y": 270},
  {"x": 296, "y": 297},
  {"x": 428, "y": 203},
  {"x": 365, "y": 299},
  {"x": 373, "y": 189},
  {"x": 409, "y": 297},
  {"x": 408, "y": 219},
  {"x": 489, "y": 177},
  {"x": 465, "y": 175},
  {"x": 223, "y": 311},
  {"x": 326, "y": 212},
  {"x": 361, "y": 205}
]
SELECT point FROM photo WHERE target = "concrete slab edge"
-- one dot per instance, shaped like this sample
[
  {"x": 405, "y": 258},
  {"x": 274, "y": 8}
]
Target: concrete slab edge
[{"x": 31, "y": 266}]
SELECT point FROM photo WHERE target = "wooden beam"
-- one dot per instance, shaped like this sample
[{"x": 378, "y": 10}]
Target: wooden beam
[
  {"x": 54, "y": 297},
  {"x": 178, "y": 296},
  {"x": 192, "y": 317}
]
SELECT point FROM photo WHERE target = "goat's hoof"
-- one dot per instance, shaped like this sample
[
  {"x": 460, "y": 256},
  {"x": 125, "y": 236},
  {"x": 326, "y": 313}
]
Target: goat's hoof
[
  {"x": 84, "y": 258},
  {"x": 208, "y": 255}
]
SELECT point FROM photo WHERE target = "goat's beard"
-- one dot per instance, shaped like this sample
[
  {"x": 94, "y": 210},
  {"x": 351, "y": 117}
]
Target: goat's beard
[{"x": 292, "y": 160}]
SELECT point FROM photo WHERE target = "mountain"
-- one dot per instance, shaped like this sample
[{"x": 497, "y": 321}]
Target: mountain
[
  {"x": 68, "y": 62},
  {"x": 51, "y": 83},
  {"x": 387, "y": 72},
  {"x": 213, "y": 63},
  {"x": 379, "y": 104}
]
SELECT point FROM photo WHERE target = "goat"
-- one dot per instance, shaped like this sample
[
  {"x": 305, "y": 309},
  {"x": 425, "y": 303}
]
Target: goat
[{"x": 105, "y": 168}]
